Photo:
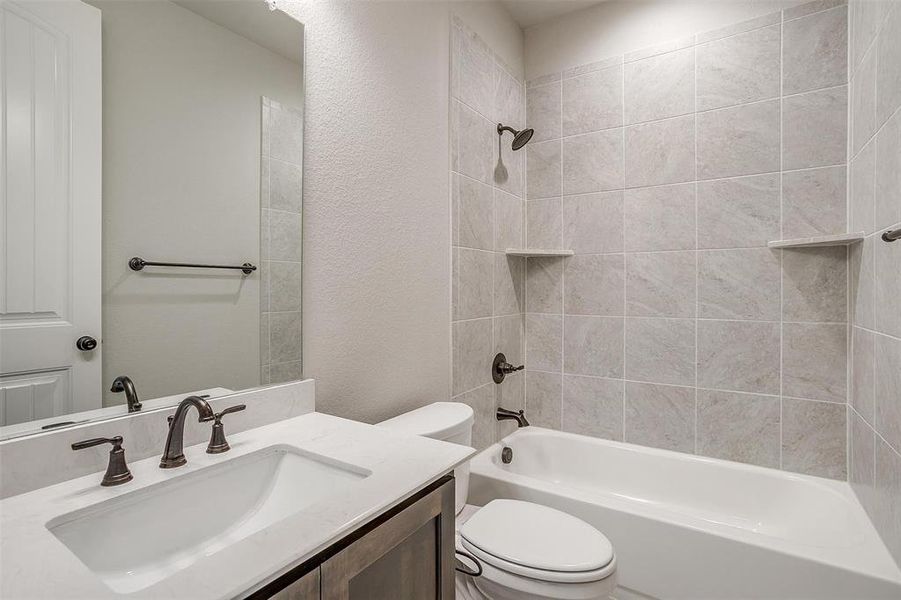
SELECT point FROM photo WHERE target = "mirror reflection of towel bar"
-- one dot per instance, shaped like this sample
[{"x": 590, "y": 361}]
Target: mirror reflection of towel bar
[
  {"x": 892, "y": 234},
  {"x": 137, "y": 264}
]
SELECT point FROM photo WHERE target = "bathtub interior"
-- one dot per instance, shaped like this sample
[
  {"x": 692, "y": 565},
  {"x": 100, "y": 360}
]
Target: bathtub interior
[{"x": 799, "y": 515}]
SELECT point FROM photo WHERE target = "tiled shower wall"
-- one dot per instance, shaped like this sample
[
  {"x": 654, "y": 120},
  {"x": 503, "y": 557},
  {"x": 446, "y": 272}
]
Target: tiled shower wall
[
  {"x": 667, "y": 171},
  {"x": 875, "y": 205},
  {"x": 281, "y": 242},
  {"x": 487, "y": 217}
]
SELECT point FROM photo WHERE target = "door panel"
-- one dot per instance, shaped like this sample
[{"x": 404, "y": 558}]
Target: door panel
[
  {"x": 50, "y": 208},
  {"x": 36, "y": 396}
]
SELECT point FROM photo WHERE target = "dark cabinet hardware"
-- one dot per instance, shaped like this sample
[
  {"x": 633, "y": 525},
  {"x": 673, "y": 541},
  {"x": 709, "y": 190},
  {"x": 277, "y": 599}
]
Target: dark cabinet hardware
[
  {"x": 514, "y": 415},
  {"x": 117, "y": 471},
  {"x": 218, "y": 444},
  {"x": 123, "y": 383},
  {"x": 86, "y": 343},
  {"x": 137, "y": 264},
  {"x": 500, "y": 368},
  {"x": 892, "y": 235},
  {"x": 174, "y": 451}
]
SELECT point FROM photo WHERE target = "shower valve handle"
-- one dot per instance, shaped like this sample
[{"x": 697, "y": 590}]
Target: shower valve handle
[{"x": 500, "y": 368}]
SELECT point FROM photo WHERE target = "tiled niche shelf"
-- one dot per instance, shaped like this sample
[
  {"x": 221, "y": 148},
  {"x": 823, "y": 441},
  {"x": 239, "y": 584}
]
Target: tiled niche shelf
[
  {"x": 839, "y": 239},
  {"x": 533, "y": 252}
]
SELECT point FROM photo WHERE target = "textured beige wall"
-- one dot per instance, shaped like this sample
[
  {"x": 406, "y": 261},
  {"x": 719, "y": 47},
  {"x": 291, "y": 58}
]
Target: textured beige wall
[{"x": 376, "y": 202}]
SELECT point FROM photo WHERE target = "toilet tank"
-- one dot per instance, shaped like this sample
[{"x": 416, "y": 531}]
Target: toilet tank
[{"x": 445, "y": 421}]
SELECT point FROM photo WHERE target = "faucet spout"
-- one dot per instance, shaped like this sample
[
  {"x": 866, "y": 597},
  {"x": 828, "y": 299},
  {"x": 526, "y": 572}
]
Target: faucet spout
[
  {"x": 123, "y": 383},
  {"x": 516, "y": 415},
  {"x": 173, "y": 453}
]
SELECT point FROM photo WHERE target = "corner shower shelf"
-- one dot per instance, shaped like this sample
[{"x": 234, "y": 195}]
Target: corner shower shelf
[
  {"x": 535, "y": 252},
  {"x": 839, "y": 239}
]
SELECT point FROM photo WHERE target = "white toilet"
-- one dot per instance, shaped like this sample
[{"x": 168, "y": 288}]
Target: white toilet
[{"x": 527, "y": 551}]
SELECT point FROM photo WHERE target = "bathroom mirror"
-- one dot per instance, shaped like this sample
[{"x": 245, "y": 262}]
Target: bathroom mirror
[{"x": 138, "y": 132}]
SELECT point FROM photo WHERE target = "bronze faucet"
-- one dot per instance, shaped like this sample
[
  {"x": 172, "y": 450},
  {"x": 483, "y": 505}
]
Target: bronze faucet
[
  {"x": 173, "y": 453},
  {"x": 123, "y": 383},
  {"x": 116, "y": 470}
]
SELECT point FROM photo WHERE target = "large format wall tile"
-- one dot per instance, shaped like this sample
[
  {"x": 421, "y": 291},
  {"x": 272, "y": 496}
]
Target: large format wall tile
[
  {"x": 473, "y": 213},
  {"x": 661, "y": 416},
  {"x": 508, "y": 219},
  {"x": 815, "y": 129},
  {"x": 862, "y": 190},
  {"x": 739, "y": 69},
  {"x": 543, "y": 171},
  {"x": 473, "y": 139},
  {"x": 593, "y": 162},
  {"x": 660, "y": 86},
  {"x": 543, "y": 105},
  {"x": 815, "y": 51},
  {"x": 482, "y": 402},
  {"x": 739, "y": 355},
  {"x": 593, "y": 223},
  {"x": 813, "y": 438},
  {"x": 475, "y": 283},
  {"x": 738, "y": 213},
  {"x": 863, "y": 373},
  {"x": 593, "y": 101},
  {"x": 814, "y": 284},
  {"x": 660, "y": 284},
  {"x": 887, "y": 513},
  {"x": 593, "y": 406},
  {"x": 471, "y": 350},
  {"x": 660, "y": 218},
  {"x": 593, "y": 285},
  {"x": 509, "y": 287},
  {"x": 739, "y": 284},
  {"x": 660, "y": 350},
  {"x": 888, "y": 288},
  {"x": 740, "y": 427},
  {"x": 544, "y": 223},
  {"x": 814, "y": 202},
  {"x": 473, "y": 71},
  {"x": 742, "y": 140},
  {"x": 593, "y": 346},
  {"x": 862, "y": 276},
  {"x": 509, "y": 338},
  {"x": 544, "y": 341},
  {"x": 814, "y": 361},
  {"x": 887, "y": 188},
  {"x": 862, "y": 460},
  {"x": 888, "y": 67},
  {"x": 865, "y": 16},
  {"x": 544, "y": 285},
  {"x": 888, "y": 389},
  {"x": 660, "y": 152},
  {"x": 863, "y": 103},
  {"x": 543, "y": 398}
]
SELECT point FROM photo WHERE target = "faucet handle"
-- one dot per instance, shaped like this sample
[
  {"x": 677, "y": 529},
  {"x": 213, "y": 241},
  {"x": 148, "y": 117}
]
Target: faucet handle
[
  {"x": 117, "y": 471},
  {"x": 218, "y": 444}
]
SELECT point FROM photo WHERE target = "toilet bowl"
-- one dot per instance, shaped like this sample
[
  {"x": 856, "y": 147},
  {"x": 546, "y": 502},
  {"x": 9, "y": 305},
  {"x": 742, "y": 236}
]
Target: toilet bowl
[{"x": 526, "y": 551}]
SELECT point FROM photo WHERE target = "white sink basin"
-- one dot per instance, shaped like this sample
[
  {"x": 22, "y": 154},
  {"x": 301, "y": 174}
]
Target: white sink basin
[{"x": 138, "y": 539}]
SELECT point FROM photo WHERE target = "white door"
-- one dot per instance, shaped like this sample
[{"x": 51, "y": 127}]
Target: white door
[{"x": 50, "y": 164}]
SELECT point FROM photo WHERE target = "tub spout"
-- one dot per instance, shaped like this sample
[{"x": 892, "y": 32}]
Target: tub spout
[{"x": 518, "y": 416}]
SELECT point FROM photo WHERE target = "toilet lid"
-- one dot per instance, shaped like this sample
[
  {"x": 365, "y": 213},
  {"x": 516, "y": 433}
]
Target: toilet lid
[{"x": 538, "y": 537}]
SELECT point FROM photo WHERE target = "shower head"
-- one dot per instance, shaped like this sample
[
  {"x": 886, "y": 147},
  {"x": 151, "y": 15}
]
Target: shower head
[{"x": 520, "y": 138}]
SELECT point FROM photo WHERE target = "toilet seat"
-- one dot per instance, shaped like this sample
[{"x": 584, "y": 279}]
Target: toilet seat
[{"x": 538, "y": 542}]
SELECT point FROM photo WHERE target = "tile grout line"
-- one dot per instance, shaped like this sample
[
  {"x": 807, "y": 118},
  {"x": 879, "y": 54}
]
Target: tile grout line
[{"x": 781, "y": 236}]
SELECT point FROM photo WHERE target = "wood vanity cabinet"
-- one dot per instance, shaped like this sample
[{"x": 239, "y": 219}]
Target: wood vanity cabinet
[{"x": 405, "y": 554}]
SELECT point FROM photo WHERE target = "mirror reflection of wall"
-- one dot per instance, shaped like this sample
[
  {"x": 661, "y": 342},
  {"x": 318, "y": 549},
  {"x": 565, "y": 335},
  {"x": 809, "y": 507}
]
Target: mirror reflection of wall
[{"x": 185, "y": 89}]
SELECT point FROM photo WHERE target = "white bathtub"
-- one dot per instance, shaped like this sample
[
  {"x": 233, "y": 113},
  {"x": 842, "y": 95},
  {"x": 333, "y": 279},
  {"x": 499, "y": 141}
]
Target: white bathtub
[{"x": 685, "y": 526}]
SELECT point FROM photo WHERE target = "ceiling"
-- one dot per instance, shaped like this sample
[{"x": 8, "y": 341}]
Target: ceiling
[{"x": 531, "y": 12}]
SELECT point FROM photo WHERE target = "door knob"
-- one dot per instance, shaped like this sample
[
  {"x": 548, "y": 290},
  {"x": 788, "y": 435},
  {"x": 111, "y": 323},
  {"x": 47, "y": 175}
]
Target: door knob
[{"x": 86, "y": 343}]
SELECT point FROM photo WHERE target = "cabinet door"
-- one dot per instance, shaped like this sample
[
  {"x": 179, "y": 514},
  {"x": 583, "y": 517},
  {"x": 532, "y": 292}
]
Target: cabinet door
[
  {"x": 410, "y": 556},
  {"x": 305, "y": 588}
]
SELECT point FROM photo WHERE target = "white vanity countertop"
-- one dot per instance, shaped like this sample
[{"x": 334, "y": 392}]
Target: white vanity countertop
[{"x": 35, "y": 564}]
